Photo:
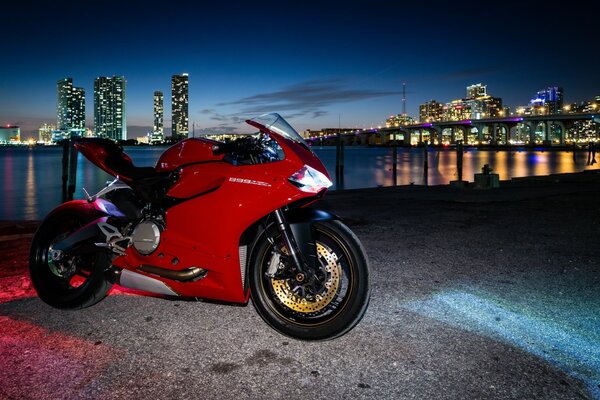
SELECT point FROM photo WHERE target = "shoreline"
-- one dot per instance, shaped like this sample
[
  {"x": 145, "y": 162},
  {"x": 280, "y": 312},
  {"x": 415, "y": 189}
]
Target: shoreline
[
  {"x": 580, "y": 147},
  {"x": 510, "y": 190}
]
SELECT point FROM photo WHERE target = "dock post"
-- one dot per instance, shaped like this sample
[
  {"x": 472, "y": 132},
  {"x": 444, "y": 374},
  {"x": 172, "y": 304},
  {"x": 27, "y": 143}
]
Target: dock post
[
  {"x": 72, "y": 169},
  {"x": 65, "y": 168},
  {"x": 394, "y": 162},
  {"x": 459, "y": 159},
  {"x": 339, "y": 163},
  {"x": 425, "y": 163}
]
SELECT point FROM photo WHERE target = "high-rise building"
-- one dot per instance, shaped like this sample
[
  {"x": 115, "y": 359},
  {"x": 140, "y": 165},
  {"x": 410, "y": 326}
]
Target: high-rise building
[
  {"x": 179, "y": 106},
  {"x": 431, "y": 111},
  {"x": 159, "y": 111},
  {"x": 109, "y": 107},
  {"x": 70, "y": 108},
  {"x": 45, "y": 133},
  {"x": 550, "y": 99},
  {"x": 157, "y": 134},
  {"x": 477, "y": 90},
  {"x": 78, "y": 101},
  {"x": 399, "y": 120}
]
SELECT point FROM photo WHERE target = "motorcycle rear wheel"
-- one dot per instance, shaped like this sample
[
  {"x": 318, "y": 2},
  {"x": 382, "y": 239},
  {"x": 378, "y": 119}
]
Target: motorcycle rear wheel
[
  {"x": 77, "y": 281},
  {"x": 344, "y": 282}
]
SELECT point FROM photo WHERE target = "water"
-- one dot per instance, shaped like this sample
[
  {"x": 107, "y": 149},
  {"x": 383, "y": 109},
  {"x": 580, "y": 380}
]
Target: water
[{"x": 32, "y": 186}]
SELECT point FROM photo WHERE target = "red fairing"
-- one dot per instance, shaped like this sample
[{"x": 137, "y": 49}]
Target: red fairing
[
  {"x": 185, "y": 152},
  {"x": 100, "y": 151},
  {"x": 213, "y": 203},
  {"x": 205, "y": 230}
]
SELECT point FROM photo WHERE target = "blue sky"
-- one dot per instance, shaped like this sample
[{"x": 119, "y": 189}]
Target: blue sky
[{"x": 313, "y": 62}]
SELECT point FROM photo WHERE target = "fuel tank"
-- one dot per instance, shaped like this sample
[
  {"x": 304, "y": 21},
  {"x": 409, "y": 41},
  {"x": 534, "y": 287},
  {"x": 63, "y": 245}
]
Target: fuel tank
[{"x": 188, "y": 151}]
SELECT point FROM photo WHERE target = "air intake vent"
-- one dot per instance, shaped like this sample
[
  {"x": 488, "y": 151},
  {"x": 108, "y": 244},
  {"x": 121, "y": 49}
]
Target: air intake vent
[{"x": 243, "y": 250}]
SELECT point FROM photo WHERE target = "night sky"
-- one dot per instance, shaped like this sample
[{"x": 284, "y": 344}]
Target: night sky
[{"x": 313, "y": 62}]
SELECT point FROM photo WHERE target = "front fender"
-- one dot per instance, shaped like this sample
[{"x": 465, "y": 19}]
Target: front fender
[{"x": 308, "y": 215}]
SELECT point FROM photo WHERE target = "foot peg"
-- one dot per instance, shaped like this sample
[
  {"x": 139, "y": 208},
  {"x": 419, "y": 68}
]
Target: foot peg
[{"x": 113, "y": 236}]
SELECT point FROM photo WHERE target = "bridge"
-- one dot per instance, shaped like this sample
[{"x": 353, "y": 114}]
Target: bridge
[{"x": 544, "y": 130}]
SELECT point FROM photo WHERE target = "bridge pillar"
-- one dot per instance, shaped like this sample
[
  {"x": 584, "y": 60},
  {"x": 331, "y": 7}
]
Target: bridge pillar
[
  {"x": 563, "y": 131},
  {"x": 506, "y": 136},
  {"x": 439, "y": 133},
  {"x": 494, "y": 134},
  {"x": 532, "y": 127},
  {"x": 407, "y": 136},
  {"x": 452, "y": 135},
  {"x": 480, "y": 128},
  {"x": 547, "y": 125}
]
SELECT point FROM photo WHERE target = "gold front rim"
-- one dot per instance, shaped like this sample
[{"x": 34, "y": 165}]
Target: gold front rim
[{"x": 294, "y": 301}]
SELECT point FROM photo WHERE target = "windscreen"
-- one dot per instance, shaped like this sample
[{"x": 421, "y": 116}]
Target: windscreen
[{"x": 275, "y": 123}]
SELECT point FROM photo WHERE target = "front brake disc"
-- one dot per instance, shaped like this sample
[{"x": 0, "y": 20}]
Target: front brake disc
[{"x": 284, "y": 288}]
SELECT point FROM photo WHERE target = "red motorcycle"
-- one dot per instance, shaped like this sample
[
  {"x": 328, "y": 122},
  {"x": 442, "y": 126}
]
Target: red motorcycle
[{"x": 223, "y": 221}]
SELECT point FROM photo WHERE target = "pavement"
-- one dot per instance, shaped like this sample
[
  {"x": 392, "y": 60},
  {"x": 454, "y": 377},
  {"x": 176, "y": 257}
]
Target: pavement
[{"x": 490, "y": 293}]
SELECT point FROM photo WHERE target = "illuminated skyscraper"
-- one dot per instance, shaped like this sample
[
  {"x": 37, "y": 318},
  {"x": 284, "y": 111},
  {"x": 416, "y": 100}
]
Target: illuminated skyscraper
[
  {"x": 179, "y": 106},
  {"x": 159, "y": 111},
  {"x": 45, "y": 133},
  {"x": 550, "y": 99},
  {"x": 431, "y": 111},
  {"x": 475, "y": 91},
  {"x": 70, "y": 108},
  {"x": 109, "y": 107}
]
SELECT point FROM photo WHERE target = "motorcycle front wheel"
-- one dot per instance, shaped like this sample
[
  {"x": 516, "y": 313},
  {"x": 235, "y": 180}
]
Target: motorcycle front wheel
[
  {"x": 76, "y": 280},
  {"x": 334, "y": 303}
]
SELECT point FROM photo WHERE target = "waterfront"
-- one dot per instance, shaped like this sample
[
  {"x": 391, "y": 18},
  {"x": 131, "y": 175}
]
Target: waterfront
[{"x": 31, "y": 177}]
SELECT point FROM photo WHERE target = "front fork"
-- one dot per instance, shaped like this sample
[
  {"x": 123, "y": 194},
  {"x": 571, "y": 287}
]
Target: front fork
[{"x": 296, "y": 252}]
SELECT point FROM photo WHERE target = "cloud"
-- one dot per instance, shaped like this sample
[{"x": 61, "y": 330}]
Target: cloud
[
  {"x": 309, "y": 96},
  {"x": 217, "y": 130}
]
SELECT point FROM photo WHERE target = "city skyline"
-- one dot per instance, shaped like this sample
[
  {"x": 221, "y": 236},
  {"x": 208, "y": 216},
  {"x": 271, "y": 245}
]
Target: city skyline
[{"x": 316, "y": 66}]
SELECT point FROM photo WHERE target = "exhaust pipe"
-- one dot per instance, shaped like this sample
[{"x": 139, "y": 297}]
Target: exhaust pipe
[
  {"x": 133, "y": 280},
  {"x": 189, "y": 274}
]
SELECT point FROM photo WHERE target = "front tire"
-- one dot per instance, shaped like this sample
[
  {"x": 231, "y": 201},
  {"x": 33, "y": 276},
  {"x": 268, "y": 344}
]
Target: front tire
[
  {"x": 344, "y": 281},
  {"x": 74, "y": 282}
]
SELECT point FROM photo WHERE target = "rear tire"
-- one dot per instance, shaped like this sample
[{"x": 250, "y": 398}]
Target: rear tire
[
  {"x": 344, "y": 272},
  {"x": 76, "y": 281}
]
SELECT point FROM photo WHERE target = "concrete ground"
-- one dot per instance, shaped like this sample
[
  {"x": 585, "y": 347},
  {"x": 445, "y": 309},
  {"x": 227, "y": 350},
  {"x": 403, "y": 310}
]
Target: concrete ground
[{"x": 475, "y": 294}]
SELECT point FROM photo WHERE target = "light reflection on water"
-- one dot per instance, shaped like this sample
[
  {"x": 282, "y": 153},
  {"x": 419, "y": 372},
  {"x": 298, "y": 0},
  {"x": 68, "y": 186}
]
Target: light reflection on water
[{"x": 32, "y": 185}]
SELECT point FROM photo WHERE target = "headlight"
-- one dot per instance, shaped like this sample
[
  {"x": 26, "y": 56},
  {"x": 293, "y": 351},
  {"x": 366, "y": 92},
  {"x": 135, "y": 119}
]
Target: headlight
[{"x": 310, "y": 180}]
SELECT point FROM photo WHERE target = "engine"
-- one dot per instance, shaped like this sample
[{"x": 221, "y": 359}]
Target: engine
[{"x": 146, "y": 235}]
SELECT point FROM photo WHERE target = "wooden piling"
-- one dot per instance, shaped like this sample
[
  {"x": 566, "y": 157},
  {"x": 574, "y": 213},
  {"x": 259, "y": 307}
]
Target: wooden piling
[
  {"x": 339, "y": 163},
  {"x": 65, "y": 168},
  {"x": 395, "y": 162},
  {"x": 425, "y": 164},
  {"x": 459, "y": 160},
  {"x": 72, "y": 170}
]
